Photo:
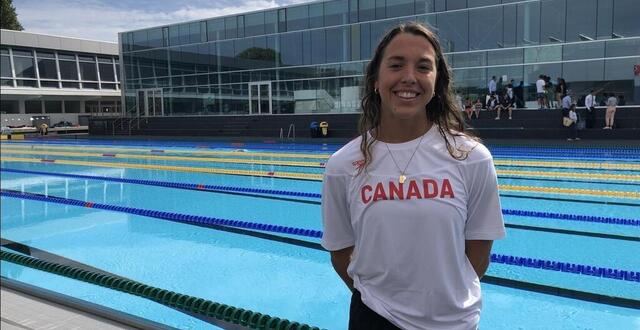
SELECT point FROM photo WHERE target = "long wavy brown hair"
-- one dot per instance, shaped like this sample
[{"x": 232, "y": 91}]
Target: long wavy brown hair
[{"x": 441, "y": 110}]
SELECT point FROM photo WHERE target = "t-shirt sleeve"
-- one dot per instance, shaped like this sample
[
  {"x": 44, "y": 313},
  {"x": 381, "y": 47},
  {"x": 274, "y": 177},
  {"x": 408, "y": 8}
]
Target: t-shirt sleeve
[
  {"x": 338, "y": 232},
  {"x": 484, "y": 213}
]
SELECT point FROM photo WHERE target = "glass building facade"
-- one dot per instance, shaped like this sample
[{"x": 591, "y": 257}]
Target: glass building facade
[{"x": 310, "y": 58}]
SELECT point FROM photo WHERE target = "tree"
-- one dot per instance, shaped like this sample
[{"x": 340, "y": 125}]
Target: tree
[{"x": 8, "y": 16}]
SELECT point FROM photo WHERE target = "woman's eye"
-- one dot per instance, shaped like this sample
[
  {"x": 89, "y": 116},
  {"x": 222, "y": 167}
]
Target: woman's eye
[
  {"x": 394, "y": 66},
  {"x": 424, "y": 68}
]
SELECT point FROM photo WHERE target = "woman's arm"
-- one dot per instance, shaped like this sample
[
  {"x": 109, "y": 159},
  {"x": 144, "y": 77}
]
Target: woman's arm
[
  {"x": 340, "y": 260},
  {"x": 478, "y": 253}
]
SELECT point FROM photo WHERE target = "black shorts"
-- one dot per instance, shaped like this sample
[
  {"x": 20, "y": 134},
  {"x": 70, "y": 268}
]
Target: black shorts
[{"x": 362, "y": 317}]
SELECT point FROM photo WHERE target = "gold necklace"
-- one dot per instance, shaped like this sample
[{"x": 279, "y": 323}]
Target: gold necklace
[{"x": 403, "y": 177}]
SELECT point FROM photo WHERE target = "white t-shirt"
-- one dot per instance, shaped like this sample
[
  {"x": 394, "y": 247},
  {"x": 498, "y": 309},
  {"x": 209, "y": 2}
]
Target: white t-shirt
[
  {"x": 540, "y": 85},
  {"x": 409, "y": 262}
]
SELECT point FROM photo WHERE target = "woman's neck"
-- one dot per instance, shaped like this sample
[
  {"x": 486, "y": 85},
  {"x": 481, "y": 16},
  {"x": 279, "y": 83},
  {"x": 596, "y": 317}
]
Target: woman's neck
[{"x": 401, "y": 132}]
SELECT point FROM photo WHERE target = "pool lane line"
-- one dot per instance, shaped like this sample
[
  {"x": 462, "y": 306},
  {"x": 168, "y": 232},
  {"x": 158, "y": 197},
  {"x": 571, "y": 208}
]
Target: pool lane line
[
  {"x": 572, "y": 175},
  {"x": 183, "y": 218},
  {"x": 310, "y": 176},
  {"x": 258, "y": 193},
  {"x": 208, "y": 170},
  {"x": 58, "y": 259},
  {"x": 562, "y": 292},
  {"x": 556, "y": 199},
  {"x": 182, "y": 302},
  {"x": 171, "y": 158},
  {"x": 620, "y": 183},
  {"x": 176, "y": 217},
  {"x": 235, "y": 153},
  {"x": 573, "y": 232}
]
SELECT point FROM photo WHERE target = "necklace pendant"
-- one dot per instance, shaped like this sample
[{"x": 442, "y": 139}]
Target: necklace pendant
[{"x": 402, "y": 178}]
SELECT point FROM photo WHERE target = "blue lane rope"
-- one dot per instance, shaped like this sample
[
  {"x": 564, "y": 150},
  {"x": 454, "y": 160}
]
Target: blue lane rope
[
  {"x": 633, "y": 276},
  {"x": 566, "y": 267},
  {"x": 177, "y": 217},
  {"x": 201, "y": 187}
]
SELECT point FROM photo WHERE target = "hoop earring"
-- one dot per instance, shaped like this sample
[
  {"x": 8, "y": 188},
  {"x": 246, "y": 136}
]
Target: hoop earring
[{"x": 375, "y": 90}]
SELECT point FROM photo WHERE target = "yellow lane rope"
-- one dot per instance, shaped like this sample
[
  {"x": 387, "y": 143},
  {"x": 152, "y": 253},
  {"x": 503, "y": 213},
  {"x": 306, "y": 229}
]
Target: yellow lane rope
[
  {"x": 317, "y": 177},
  {"x": 581, "y": 165},
  {"x": 172, "y": 151},
  {"x": 573, "y": 191},
  {"x": 570, "y": 175},
  {"x": 272, "y": 174},
  {"x": 161, "y": 157}
]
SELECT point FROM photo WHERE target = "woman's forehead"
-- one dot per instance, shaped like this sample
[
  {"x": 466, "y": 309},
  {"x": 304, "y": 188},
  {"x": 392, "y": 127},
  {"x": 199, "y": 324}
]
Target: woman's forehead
[{"x": 408, "y": 44}]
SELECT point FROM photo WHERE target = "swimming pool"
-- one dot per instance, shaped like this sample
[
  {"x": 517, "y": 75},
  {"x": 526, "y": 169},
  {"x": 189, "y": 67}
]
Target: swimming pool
[{"x": 238, "y": 224}]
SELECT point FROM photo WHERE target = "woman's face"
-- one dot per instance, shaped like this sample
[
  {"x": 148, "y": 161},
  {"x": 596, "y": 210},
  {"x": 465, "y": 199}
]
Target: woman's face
[{"x": 406, "y": 77}]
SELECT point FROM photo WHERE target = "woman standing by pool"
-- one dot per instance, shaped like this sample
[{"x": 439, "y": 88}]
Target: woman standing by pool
[{"x": 411, "y": 207}]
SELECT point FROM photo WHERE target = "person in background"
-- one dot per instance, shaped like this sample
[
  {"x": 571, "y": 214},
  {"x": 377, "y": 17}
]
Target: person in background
[
  {"x": 477, "y": 107},
  {"x": 540, "y": 91},
  {"x": 492, "y": 86},
  {"x": 44, "y": 129},
  {"x": 572, "y": 129},
  {"x": 548, "y": 93},
  {"x": 410, "y": 208},
  {"x": 612, "y": 102},
  {"x": 621, "y": 100},
  {"x": 590, "y": 103},
  {"x": 507, "y": 105},
  {"x": 603, "y": 102},
  {"x": 493, "y": 102},
  {"x": 468, "y": 108},
  {"x": 566, "y": 101},
  {"x": 561, "y": 91}
]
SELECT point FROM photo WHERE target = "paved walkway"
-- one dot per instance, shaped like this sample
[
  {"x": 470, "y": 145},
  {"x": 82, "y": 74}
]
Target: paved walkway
[{"x": 20, "y": 311}]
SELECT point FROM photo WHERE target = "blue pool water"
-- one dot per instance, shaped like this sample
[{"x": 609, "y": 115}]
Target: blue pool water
[{"x": 293, "y": 281}]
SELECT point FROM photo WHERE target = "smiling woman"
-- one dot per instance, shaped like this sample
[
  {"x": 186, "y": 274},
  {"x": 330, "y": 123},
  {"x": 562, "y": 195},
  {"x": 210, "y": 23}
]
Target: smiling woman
[{"x": 411, "y": 208}]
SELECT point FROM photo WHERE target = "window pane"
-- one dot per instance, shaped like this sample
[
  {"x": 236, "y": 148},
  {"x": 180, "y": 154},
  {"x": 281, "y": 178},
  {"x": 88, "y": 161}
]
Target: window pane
[
  {"x": 472, "y": 82},
  {"x": 290, "y": 50},
  {"x": 41, "y": 54},
  {"x": 485, "y": 33},
  {"x": 528, "y": 20},
  {"x": 106, "y": 72},
  {"x": 397, "y": 8},
  {"x": 625, "y": 18},
  {"x": 32, "y": 106},
  {"x": 479, "y": 3},
  {"x": 510, "y": 27},
  {"x": 90, "y": 85},
  {"x": 47, "y": 69},
  {"x": 53, "y": 106},
  {"x": 194, "y": 32},
  {"x": 27, "y": 83},
  {"x": 24, "y": 67},
  {"x": 424, "y": 6},
  {"x": 215, "y": 29},
  {"x": 456, "y": 4},
  {"x": 318, "y": 49},
  {"x": 5, "y": 66},
  {"x": 366, "y": 10},
  {"x": 155, "y": 37},
  {"x": 139, "y": 40},
  {"x": 543, "y": 54},
  {"x": 453, "y": 31},
  {"x": 49, "y": 84},
  {"x": 574, "y": 72},
  {"x": 108, "y": 86},
  {"x": 338, "y": 45},
  {"x": 620, "y": 69},
  {"x": 316, "y": 15},
  {"x": 605, "y": 19},
  {"x": 254, "y": 24},
  {"x": 336, "y": 12},
  {"x": 507, "y": 56},
  {"x": 88, "y": 71},
  {"x": 68, "y": 70},
  {"x": 9, "y": 106},
  {"x": 581, "y": 21},
  {"x": 297, "y": 18},
  {"x": 623, "y": 47},
  {"x": 270, "y": 21},
  {"x": 241, "y": 26},
  {"x": 230, "y": 27},
  {"x": 583, "y": 50},
  {"x": 22, "y": 52},
  {"x": 66, "y": 84},
  {"x": 553, "y": 21},
  {"x": 461, "y": 60},
  {"x": 6, "y": 82},
  {"x": 72, "y": 106}
]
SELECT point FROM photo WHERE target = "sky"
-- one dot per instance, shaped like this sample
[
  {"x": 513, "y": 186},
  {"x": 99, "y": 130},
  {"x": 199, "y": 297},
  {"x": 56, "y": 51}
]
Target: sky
[{"x": 103, "y": 19}]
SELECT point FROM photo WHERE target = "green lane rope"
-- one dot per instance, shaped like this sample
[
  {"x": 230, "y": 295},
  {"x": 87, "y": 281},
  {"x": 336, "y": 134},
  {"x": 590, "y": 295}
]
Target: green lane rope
[{"x": 172, "y": 299}]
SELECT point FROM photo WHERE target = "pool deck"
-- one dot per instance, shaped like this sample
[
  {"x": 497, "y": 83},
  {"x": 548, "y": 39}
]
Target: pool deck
[{"x": 23, "y": 311}]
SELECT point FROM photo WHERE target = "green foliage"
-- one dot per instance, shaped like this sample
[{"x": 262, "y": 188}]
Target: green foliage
[{"x": 8, "y": 16}]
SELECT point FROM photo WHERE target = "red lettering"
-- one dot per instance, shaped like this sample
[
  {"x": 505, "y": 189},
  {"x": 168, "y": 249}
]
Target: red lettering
[
  {"x": 379, "y": 194},
  {"x": 430, "y": 187},
  {"x": 363, "y": 192},
  {"x": 413, "y": 191},
  {"x": 396, "y": 191},
  {"x": 446, "y": 189}
]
